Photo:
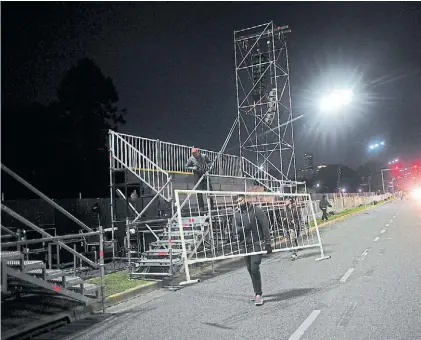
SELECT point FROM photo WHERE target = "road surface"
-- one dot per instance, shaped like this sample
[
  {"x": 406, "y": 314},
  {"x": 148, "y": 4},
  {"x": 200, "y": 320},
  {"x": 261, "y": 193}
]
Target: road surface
[{"x": 369, "y": 289}]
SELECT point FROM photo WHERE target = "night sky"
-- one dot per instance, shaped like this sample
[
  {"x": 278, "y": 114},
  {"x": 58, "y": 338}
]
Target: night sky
[{"x": 173, "y": 67}]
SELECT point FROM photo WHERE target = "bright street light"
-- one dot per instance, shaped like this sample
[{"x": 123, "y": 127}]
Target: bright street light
[
  {"x": 376, "y": 145},
  {"x": 336, "y": 100}
]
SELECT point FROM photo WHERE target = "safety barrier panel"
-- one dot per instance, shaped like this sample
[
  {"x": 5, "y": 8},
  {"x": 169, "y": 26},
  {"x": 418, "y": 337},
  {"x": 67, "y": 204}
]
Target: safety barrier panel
[{"x": 228, "y": 230}]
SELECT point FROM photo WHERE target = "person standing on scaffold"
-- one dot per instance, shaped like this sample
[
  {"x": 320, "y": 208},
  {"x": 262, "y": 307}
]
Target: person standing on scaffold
[{"x": 199, "y": 164}]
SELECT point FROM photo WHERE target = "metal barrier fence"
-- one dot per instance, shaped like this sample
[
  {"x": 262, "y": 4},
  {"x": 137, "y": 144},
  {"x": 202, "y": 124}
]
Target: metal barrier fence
[
  {"x": 236, "y": 227},
  {"x": 170, "y": 157},
  {"x": 341, "y": 202}
]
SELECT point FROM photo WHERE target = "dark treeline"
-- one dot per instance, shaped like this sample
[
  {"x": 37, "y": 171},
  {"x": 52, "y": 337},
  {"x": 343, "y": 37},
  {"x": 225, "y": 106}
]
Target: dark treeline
[{"x": 62, "y": 148}]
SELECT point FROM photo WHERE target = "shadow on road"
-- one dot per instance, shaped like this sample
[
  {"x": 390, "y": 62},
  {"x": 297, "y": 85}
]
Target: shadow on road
[{"x": 287, "y": 295}]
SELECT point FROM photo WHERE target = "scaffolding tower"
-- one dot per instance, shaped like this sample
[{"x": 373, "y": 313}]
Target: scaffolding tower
[{"x": 265, "y": 117}]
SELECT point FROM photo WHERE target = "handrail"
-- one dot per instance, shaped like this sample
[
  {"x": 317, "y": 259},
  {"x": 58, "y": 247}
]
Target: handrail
[
  {"x": 173, "y": 157},
  {"x": 138, "y": 151},
  {"x": 10, "y": 232},
  {"x": 127, "y": 166},
  {"x": 50, "y": 239},
  {"x": 44, "y": 197},
  {"x": 45, "y": 234}
]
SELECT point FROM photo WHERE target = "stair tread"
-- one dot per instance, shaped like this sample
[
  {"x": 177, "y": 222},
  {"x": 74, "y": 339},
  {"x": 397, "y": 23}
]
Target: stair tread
[
  {"x": 25, "y": 263},
  {"x": 189, "y": 240},
  {"x": 86, "y": 286},
  {"x": 70, "y": 280},
  {"x": 162, "y": 251},
  {"x": 48, "y": 272},
  {"x": 10, "y": 255},
  {"x": 158, "y": 260}
]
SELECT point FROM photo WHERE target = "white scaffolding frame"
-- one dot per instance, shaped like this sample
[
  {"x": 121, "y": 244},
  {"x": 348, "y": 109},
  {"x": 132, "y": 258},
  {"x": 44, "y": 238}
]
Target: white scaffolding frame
[{"x": 264, "y": 106}]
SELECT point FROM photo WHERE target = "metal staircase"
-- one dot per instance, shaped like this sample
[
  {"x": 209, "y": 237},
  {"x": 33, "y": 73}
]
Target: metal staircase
[{"x": 164, "y": 257}]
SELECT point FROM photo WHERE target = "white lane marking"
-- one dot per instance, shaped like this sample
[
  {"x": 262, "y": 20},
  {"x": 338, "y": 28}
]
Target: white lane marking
[
  {"x": 376, "y": 239},
  {"x": 388, "y": 238},
  {"x": 305, "y": 325},
  {"x": 383, "y": 230},
  {"x": 387, "y": 225},
  {"x": 347, "y": 274},
  {"x": 364, "y": 254}
]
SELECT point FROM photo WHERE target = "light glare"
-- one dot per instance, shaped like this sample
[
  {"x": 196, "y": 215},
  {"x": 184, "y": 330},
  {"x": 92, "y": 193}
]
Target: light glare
[{"x": 336, "y": 100}]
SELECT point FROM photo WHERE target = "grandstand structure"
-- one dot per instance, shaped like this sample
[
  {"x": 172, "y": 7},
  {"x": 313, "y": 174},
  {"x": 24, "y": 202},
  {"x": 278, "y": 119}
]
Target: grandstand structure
[{"x": 30, "y": 259}]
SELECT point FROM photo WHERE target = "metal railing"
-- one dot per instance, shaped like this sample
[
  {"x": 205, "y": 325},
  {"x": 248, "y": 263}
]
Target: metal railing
[
  {"x": 172, "y": 158},
  {"x": 127, "y": 155}
]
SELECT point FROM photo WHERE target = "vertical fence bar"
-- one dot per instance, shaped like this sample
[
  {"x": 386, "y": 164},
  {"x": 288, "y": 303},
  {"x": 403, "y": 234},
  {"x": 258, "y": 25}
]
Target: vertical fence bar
[
  {"x": 111, "y": 152},
  {"x": 101, "y": 265}
]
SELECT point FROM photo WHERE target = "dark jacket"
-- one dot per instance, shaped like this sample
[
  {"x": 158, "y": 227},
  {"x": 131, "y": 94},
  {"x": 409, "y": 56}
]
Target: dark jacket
[
  {"x": 252, "y": 227},
  {"x": 324, "y": 203},
  {"x": 201, "y": 163},
  {"x": 293, "y": 214}
]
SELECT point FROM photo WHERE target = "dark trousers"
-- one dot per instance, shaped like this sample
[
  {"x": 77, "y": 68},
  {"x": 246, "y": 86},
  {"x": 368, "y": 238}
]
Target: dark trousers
[
  {"x": 253, "y": 267},
  {"x": 324, "y": 216},
  {"x": 203, "y": 186}
]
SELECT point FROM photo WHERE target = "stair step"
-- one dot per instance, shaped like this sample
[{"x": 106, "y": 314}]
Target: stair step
[
  {"x": 158, "y": 262},
  {"x": 70, "y": 281},
  {"x": 49, "y": 273},
  {"x": 174, "y": 241},
  {"x": 28, "y": 265},
  {"x": 188, "y": 229},
  {"x": 186, "y": 233},
  {"x": 11, "y": 255},
  {"x": 150, "y": 274},
  {"x": 161, "y": 252},
  {"x": 88, "y": 289}
]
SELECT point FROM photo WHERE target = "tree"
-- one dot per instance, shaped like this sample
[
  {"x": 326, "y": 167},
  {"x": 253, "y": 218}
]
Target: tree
[
  {"x": 62, "y": 148},
  {"x": 87, "y": 105}
]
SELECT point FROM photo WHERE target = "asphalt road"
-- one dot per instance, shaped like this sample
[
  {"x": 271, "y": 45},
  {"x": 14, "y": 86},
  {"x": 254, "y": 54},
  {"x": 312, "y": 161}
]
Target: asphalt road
[{"x": 369, "y": 289}]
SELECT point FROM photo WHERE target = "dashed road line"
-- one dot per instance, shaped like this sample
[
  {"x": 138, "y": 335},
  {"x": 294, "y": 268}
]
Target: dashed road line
[
  {"x": 383, "y": 230},
  {"x": 347, "y": 274},
  {"x": 347, "y": 314},
  {"x": 363, "y": 255},
  {"x": 376, "y": 239},
  {"x": 305, "y": 325}
]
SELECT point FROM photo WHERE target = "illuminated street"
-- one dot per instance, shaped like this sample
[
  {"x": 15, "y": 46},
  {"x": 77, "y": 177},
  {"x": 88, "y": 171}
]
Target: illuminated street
[{"x": 380, "y": 299}]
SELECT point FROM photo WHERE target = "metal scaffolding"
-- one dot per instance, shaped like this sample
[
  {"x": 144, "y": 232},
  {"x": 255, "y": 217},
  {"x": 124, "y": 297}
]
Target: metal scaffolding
[{"x": 265, "y": 115}]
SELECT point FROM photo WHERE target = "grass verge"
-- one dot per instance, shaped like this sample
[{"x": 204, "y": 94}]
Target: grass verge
[
  {"x": 118, "y": 282},
  {"x": 342, "y": 214}
]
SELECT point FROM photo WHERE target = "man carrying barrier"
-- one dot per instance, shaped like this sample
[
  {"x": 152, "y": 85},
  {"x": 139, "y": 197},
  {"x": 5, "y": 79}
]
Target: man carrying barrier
[{"x": 248, "y": 225}]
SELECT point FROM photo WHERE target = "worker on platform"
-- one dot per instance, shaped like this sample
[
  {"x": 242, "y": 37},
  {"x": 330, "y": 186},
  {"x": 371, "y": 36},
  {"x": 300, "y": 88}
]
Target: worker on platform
[{"x": 199, "y": 164}]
